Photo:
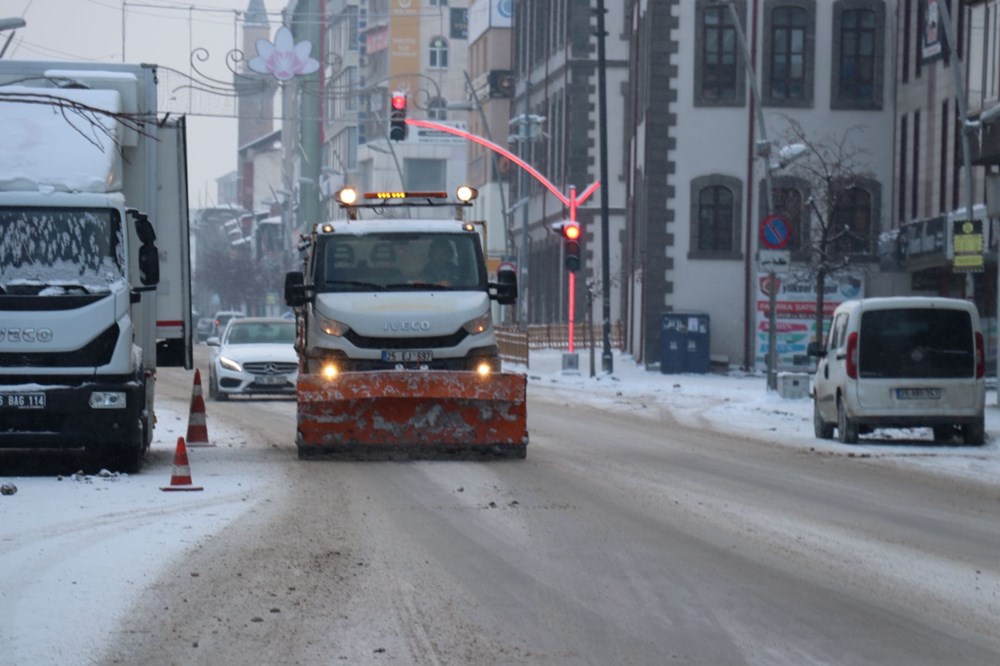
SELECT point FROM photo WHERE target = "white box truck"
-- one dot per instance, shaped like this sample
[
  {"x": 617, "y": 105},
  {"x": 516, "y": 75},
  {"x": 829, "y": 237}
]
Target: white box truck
[{"x": 95, "y": 287}]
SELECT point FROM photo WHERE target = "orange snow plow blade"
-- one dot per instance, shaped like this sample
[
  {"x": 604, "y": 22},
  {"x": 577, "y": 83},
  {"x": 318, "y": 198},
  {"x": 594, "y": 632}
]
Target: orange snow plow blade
[{"x": 412, "y": 414}]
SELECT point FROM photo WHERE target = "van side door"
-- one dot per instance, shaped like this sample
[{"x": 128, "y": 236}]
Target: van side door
[{"x": 828, "y": 369}]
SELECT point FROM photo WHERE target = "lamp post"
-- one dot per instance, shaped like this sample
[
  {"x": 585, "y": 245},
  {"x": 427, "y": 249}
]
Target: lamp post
[
  {"x": 762, "y": 149},
  {"x": 11, "y": 24}
]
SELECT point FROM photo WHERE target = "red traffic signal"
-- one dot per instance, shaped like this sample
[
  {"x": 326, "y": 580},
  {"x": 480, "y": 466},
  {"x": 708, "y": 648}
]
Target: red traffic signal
[
  {"x": 571, "y": 246},
  {"x": 397, "y": 117}
]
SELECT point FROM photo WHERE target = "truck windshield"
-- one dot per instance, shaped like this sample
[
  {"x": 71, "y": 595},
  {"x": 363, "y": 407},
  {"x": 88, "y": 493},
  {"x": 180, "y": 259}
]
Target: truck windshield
[
  {"x": 916, "y": 343},
  {"x": 48, "y": 250},
  {"x": 399, "y": 262}
]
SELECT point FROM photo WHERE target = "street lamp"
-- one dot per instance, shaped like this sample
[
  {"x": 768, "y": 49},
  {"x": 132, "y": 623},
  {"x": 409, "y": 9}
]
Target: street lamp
[
  {"x": 10, "y": 24},
  {"x": 786, "y": 155}
]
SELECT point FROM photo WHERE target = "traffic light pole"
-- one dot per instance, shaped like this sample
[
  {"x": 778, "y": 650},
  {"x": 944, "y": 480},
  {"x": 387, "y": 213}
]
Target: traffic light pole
[
  {"x": 571, "y": 298},
  {"x": 572, "y": 201}
]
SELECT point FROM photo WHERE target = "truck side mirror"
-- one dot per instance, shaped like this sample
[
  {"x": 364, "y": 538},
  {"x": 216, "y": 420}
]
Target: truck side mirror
[
  {"x": 295, "y": 289},
  {"x": 504, "y": 290},
  {"x": 149, "y": 257},
  {"x": 814, "y": 349},
  {"x": 149, "y": 265}
]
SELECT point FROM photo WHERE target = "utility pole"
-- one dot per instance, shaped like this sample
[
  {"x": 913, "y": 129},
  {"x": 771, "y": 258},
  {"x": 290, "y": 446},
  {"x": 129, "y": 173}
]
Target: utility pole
[
  {"x": 307, "y": 27},
  {"x": 763, "y": 151},
  {"x": 963, "y": 117},
  {"x": 607, "y": 361},
  {"x": 527, "y": 133}
]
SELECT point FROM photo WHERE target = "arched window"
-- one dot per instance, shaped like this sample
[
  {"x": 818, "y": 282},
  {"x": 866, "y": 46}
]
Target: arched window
[
  {"x": 437, "y": 109},
  {"x": 439, "y": 52},
  {"x": 715, "y": 215},
  {"x": 789, "y": 200},
  {"x": 852, "y": 222}
]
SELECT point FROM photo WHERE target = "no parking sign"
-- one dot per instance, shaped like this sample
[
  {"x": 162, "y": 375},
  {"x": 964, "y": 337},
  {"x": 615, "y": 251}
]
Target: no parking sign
[{"x": 775, "y": 232}]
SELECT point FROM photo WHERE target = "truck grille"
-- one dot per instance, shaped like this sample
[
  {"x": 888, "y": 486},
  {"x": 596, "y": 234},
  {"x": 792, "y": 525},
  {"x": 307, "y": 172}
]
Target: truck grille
[
  {"x": 439, "y": 342},
  {"x": 97, "y": 352}
]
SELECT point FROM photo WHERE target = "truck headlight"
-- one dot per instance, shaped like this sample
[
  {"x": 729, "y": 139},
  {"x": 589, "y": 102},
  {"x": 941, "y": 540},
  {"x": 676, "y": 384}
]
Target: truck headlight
[
  {"x": 330, "y": 326},
  {"x": 108, "y": 400},
  {"x": 230, "y": 364},
  {"x": 480, "y": 324}
]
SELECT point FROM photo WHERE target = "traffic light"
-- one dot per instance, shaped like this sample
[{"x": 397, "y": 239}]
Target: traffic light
[
  {"x": 397, "y": 117},
  {"x": 571, "y": 246}
]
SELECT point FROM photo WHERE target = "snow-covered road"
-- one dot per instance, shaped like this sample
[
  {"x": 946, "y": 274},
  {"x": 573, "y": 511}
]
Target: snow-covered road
[{"x": 91, "y": 544}]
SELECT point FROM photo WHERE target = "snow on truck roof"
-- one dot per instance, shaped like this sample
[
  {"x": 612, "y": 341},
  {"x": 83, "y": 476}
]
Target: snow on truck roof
[{"x": 48, "y": 147}]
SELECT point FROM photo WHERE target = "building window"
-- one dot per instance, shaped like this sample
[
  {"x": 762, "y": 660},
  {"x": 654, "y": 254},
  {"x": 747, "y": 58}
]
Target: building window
[
  {"x": 789, "y": 43},
  {"x": 439, "y": 3},
  {"x": 858, "y": 53},
  {"x": 437, "y": 109},
  {"x": 719, "y": 79},
  {"x": 715, "y": 216},
  {"x": 852, "y": 222},
  {"x": 715, "y": 219},
  {"x": 439, "y": 52},
  {"x": 789, "y": 200}
]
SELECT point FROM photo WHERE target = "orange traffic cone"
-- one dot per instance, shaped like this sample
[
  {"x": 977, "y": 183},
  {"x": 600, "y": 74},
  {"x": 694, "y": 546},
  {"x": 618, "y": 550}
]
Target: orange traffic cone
[
  {"x": 181, "y": 479},
  {"x": 197, "y": 434}
]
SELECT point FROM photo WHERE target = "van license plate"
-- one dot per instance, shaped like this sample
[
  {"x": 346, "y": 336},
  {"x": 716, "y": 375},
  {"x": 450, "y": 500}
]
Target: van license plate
[
  {"x": 918, "y": 394},
  {"x": 409, "y": 356},
  {"x": 22, "y": 400}
]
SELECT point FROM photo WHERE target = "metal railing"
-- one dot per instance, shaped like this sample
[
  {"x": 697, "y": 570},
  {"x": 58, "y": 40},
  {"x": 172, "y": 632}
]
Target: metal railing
[{"x": 515, "y": 344}]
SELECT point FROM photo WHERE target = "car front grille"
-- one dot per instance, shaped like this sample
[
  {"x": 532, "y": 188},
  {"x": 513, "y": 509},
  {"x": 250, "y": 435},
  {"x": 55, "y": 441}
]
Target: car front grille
[{"x": 270, "y": 368}]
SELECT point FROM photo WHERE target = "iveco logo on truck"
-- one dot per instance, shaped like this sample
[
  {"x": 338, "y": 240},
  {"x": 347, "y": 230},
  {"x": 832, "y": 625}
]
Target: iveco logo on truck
[
  {"x": 407, "y": 326},
  {"x": 25, "y": 335}
]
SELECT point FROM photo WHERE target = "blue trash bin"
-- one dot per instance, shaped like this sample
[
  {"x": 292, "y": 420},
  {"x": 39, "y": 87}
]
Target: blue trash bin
[{"x": 685, "y": 343}]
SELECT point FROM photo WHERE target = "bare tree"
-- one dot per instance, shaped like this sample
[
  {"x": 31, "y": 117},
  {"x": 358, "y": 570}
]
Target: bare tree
[{"x": 833, "y": 169}]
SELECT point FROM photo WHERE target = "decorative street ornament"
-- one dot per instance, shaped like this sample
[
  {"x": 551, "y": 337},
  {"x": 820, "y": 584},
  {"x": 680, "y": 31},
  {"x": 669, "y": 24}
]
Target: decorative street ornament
[{"x": 284, "y": 59}]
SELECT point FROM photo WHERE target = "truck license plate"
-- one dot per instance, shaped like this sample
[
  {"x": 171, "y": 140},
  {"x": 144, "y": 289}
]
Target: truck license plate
[
  {"x": 918, "y": 394},
  {"x": 409, "y": 356},
  {"x": 269, "y": 380},
  {"x": 22, "y": 400}
]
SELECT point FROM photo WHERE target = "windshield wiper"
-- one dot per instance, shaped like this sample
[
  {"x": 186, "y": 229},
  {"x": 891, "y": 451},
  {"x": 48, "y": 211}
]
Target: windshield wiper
[
  {"x": 356, "y": 283},
  {"x": 419, "y": 285}
]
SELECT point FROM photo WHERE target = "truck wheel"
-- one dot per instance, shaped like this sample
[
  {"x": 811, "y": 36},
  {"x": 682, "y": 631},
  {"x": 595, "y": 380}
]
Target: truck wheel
[
  {"x": 943, "y": 433},
  {"x": 126, "y": 456},
  {"x": 975, "y": 433},
  {"x": 822, "y": 429},
  {"x": 847, "y": 428}
]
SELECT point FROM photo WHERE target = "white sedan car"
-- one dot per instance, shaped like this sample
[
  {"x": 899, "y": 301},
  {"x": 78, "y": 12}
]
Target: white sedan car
[{"x": 255, "y": 356}]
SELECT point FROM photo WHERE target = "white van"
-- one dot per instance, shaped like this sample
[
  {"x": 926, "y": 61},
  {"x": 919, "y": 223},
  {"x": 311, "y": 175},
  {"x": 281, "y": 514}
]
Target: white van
[{"x": 897, "y": 362}]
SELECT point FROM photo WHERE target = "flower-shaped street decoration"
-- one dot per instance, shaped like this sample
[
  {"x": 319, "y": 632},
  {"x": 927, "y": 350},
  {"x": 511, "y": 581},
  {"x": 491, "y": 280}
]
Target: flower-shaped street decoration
[{"x": 284, "y": 59}]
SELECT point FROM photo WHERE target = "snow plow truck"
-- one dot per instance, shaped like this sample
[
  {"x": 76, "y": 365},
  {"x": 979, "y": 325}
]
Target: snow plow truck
[{"x": 398, "y": 357}]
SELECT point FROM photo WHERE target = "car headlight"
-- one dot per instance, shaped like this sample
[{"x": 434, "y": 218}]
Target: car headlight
[
  {"x": 230, "y": 364},
  {"x": 330, "y": 326},
  {"x": 480, "y": 324}
]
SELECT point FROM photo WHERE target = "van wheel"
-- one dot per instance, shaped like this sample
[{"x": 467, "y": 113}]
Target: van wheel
[
  {"x": 847, "y": 428},
  {"x": 974, "y": 433},
  {"x": 822, "y": 429}
]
